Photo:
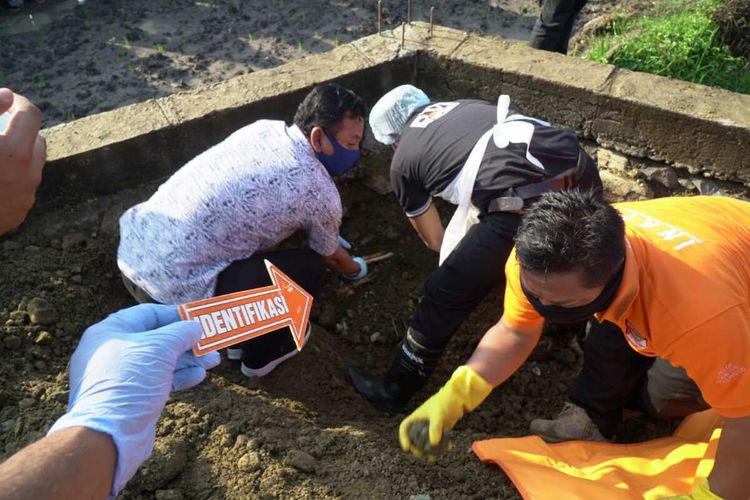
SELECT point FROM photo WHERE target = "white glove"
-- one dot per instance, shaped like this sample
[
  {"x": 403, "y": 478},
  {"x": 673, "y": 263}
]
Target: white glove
[
  {"x": 362, "y": 270},
  {"x": 121, "y": 374},
  {"x": 345, "y": 244}
]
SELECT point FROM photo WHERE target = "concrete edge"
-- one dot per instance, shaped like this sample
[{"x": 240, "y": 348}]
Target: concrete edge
[{"x": 148, "y": 140}]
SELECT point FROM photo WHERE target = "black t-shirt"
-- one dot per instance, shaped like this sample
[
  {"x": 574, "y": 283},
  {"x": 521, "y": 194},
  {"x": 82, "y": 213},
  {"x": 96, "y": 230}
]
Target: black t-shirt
[{"x": 437, "y": 140}]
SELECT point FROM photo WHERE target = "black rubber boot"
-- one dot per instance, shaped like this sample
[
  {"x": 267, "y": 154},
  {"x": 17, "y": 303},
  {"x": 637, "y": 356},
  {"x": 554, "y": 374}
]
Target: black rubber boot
[{"x": 411, "y": 368}]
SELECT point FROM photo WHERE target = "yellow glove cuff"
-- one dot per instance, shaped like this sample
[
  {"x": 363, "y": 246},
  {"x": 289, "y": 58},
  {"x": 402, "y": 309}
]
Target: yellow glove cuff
[
  {"x": 469, "y": 387},
  {"x": 702, "y": 491}
]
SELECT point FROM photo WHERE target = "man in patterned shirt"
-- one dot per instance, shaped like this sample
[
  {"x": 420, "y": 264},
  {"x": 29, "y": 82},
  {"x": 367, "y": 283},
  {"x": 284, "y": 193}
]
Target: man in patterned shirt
[{"x": 208, "y": 228}]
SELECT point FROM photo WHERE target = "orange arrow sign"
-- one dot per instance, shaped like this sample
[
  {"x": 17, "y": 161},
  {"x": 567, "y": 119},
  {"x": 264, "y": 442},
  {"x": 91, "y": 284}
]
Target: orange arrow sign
[{"x": 229, "y": 319}]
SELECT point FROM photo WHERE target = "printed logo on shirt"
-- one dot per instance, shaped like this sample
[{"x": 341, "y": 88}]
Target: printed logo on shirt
[
  {"x": 667, "y": 232},
  {"x": 729, "y": 372},
  {"x": 432, "y": 113},
  {"x": 634, "y": 337}
]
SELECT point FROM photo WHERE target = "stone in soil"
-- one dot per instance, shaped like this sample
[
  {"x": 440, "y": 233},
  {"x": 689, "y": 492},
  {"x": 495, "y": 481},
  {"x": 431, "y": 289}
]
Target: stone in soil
[
  {"x": 706, "y": 187},
  {"x": 43, "y": 338},
  {"x": 300, "y": 460},
  {"x": 328, "y": 315},
  {"x": 166, "y": 463},
  {"x": 74, "y": 241},
  {"x": 19, "y": 316},
  {"x": 42, "y": 312},
  {"x": 168, "y": 495},
  {"x": 665, "y": 176},
  {"x": 249, "y": 462}
]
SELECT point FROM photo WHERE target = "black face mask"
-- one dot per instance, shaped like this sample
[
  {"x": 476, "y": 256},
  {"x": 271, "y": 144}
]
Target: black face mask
[{"x": 559, "y": 314}]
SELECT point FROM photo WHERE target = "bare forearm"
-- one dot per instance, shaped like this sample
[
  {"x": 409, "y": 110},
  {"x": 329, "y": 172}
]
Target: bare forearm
[
  {"x": 429, "y": 227},
  {"x": 729, "y": 478},
  {"x": 501, "y": 352},
  {"x": 340, "y": 261},
  {"x": 73, "y": 463}
]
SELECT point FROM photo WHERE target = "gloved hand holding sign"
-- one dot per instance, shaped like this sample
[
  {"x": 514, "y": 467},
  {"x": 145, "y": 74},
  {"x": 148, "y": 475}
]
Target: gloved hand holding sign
[{"x": 121, "y": 375}]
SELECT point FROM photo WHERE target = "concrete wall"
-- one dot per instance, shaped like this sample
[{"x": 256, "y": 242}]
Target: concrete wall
[
  {"x": 124, "y": 147},
  {"x": 653, "y": 135}
]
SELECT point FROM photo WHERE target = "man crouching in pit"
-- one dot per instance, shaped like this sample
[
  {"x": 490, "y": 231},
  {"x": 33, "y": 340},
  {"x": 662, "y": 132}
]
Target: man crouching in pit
[
  {"x": 208, "y": 228},
  {"x": 670, "y": 276}
]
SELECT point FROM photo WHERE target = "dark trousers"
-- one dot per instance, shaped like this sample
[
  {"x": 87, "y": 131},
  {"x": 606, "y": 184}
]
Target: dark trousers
[
  {"x": 475, "y": 267},
  {"x": 554, "y": 25},
  {"x": 454, "y": 289},
  {"x": 303, "y": 266},
  {"x": 614, "y": 376}
]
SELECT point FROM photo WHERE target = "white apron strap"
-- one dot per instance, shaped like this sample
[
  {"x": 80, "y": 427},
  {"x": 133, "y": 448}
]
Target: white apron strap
[{"x": 466, "y": 214}]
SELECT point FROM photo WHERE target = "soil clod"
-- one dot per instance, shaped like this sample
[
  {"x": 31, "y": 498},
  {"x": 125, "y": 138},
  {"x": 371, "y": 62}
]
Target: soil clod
[
  {"x": 42, "y": 312},
  {"x": 249, "y": 462},
  {"x": 300, "y": 460}
]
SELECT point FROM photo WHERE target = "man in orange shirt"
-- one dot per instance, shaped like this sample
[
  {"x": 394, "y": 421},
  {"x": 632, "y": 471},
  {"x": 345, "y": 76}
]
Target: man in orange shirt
[{"x": 673, "y": 274}]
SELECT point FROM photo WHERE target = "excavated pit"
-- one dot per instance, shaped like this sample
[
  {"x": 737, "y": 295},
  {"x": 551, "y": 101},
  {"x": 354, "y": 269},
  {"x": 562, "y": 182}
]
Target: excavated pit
[{"x": 302, "y": 432}]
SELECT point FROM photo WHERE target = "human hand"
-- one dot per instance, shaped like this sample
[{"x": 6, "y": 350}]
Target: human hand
[
  {"x": 362, "y": 270},
  {"x": 462, "y": 393},
  {"x": 121, "y": 374},
  {"x": 701, "y": 491},
  {"x": 345, "y": 244},
  {"x": 22, "y": 155}
]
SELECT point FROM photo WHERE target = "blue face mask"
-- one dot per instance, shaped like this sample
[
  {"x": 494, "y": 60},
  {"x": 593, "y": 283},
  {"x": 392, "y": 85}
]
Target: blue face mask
[{"x": 341, "y": 161}]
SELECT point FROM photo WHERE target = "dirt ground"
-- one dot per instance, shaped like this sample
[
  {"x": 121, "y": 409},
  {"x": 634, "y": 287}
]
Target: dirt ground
[
  {"x": 78, "y": 59},
  {"x": 301, "y": 432}
]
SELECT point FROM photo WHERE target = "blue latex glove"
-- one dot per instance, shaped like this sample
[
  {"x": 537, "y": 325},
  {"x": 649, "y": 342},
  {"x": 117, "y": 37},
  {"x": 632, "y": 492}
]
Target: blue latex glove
[
  {"x": 5, "y": 120},
  {"x": 345, "y": 244},
  {"x": 362, "y": 270},
  {"x": 121, "y": 374}
]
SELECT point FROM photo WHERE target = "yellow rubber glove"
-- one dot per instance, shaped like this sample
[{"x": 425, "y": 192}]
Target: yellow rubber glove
[
  {"x": 701, "y": 491},
  {"x": 462, "y": 393}
]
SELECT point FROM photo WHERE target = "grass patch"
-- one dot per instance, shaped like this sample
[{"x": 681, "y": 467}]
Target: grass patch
[{"x": 677, "y": 39}]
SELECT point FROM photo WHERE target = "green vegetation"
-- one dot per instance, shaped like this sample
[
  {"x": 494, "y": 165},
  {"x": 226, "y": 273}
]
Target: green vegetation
[{"x": 677, "y": 39}]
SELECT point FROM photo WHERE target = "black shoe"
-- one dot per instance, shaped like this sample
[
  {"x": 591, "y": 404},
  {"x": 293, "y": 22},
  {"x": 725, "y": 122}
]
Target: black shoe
[
  {"x": 410, "y": 369},
  {"x": 384, "y": 396}
]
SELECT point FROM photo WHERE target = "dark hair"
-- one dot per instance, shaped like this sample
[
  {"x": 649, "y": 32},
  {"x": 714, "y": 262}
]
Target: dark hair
[
  {"x": 572, "y": 230},
  {"x": 325, "y": 106}
]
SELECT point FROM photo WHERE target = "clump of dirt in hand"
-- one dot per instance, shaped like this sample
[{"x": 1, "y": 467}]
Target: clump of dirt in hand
[{"x": 419, "y": 434}]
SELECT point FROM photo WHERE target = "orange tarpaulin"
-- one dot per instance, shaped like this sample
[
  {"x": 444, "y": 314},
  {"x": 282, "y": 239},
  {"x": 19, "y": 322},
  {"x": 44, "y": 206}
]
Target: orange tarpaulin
[{"x": 587, "y": 470}]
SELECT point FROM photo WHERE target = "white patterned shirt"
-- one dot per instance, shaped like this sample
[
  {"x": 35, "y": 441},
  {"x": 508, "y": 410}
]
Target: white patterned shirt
[{"x": 245, "y": 195}]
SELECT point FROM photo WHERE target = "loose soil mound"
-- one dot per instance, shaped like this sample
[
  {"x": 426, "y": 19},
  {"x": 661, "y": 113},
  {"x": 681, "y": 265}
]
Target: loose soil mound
[{"x": 301, "y": 432}]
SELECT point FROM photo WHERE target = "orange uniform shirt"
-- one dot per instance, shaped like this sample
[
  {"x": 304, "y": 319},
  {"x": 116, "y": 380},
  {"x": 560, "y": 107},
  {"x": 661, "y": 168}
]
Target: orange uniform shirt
[{"x": 685, "y": 292}]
